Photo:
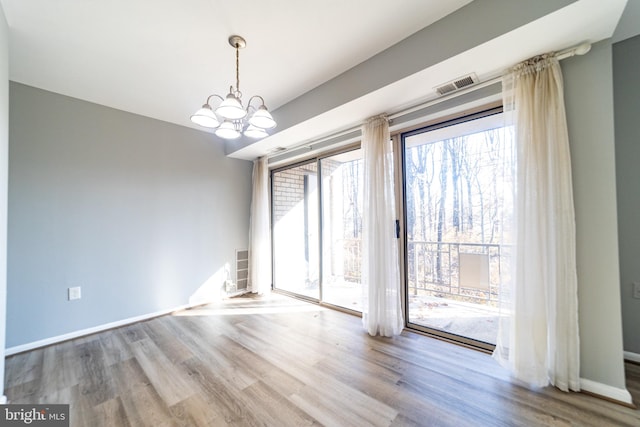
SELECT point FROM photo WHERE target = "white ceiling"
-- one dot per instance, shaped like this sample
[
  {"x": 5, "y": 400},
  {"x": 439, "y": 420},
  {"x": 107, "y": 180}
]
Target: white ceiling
[{"x": 161, "y": 58}]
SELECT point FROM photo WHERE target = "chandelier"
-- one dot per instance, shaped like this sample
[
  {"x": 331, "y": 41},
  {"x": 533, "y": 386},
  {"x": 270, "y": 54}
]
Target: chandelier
[{"x": 231, "y": 119}]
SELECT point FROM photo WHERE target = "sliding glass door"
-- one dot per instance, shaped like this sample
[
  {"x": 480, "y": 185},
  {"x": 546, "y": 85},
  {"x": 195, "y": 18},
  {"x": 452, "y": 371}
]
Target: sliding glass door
[
  {"x": 342, "y": 229},
  {"x": 296, "y": 226},
  {"x": 458, "y": 197},
  {"x": 317, "y": 229}
]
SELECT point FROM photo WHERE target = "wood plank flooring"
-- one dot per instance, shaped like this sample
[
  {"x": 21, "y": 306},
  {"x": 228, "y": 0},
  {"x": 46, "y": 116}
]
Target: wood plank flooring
[{"x": 278, "y": 361}]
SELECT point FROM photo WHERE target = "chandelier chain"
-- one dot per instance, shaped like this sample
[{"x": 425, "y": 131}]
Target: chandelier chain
[{"x": 238, "y": 70}]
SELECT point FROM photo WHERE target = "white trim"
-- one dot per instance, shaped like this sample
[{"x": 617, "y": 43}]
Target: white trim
[
  {"x": 53, "y": 340},
  {"x": 604, "y": 390},
  {"x": 632, "y": 357},
  {"x": 3, "y": 400}
]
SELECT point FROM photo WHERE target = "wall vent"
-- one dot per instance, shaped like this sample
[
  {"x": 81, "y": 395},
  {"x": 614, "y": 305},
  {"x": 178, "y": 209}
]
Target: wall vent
[
  {"x": 242, "y": 269},
  {"x": 457, "y": 84}
]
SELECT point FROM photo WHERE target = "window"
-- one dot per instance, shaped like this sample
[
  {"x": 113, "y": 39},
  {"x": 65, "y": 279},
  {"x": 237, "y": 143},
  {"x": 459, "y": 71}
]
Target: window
[
  {"x": 342, "y": 229},
  {"x": 295, "y": 230},
  {"x": 457, "y": 186},
  {"x": 317, "y": 229}
]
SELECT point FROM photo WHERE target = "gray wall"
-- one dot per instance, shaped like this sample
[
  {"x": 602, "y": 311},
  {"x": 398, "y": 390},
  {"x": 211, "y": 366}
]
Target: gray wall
[
  {"x": 4, "y": 158},
  {"x": 140, "y": 213},
  {"x": 457, "y": 32},
  {"x": 628, "y": 26},
  {"x": 626, "y": 69},
  {"x": 589, "y": 103}
]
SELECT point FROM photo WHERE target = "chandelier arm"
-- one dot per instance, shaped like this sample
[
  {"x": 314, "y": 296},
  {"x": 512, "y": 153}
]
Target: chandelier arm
[
  {"x": 256, "y": 96},
  {"x": 214, "y": 95}
]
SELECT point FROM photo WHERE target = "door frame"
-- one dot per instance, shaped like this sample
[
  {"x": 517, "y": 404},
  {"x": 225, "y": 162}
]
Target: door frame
[
  {"x": 316, "y": 158},
  {"x": 401, "y": 184}
]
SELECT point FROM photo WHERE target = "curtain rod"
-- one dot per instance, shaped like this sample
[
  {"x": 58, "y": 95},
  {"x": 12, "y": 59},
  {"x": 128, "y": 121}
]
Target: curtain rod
[{"x": 581, "y": 49}]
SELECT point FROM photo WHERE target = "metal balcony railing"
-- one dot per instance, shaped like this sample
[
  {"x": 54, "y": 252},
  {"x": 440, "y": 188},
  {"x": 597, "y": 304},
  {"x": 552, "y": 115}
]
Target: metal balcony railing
[{"x": 469, "y": 272}]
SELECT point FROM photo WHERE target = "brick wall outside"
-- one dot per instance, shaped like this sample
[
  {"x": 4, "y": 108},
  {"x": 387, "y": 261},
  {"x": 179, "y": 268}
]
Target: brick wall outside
[{"x": 288, "y": 189}]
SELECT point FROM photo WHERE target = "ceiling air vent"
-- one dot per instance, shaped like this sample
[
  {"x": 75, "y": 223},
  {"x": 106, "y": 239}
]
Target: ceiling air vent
[{"x": 457, "y": 84}]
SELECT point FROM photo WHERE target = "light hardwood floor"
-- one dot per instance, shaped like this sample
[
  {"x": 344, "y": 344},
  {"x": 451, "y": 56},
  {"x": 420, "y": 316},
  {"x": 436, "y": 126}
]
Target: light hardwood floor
[{"x": 283, "y": 362}]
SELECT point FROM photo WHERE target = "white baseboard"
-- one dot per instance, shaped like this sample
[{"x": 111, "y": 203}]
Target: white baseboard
[
  {"x": 632, "y": 357},
  {"x": 604, "y": 390},
  {"x": 53, "y": 340}
]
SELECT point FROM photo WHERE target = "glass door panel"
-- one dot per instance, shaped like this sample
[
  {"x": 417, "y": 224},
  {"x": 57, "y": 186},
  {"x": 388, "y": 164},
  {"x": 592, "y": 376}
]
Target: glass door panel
[
  {"x": 342, "y": 229},
  {"x": 458, "y": 200},
  {"x": 295, "y": 230}
]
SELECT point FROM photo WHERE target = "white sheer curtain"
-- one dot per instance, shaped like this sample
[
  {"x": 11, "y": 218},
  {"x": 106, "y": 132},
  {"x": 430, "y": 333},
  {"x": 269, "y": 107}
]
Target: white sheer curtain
[
  {"x": 259, "y": 230},
  {"x": 539, "y": 341},
  {"x": 382, "y": 312}
]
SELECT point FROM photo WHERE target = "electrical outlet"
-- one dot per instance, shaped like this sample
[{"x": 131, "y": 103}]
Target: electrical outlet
[
  {"x": 74, "y": 293},
  {"x": 636, "y": 290},
  {"x": 229, "y": 286}
]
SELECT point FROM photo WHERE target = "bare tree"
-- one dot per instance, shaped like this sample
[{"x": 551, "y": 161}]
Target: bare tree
[
  {"x": 444, "y": 166},
  {"x": 492, "y": 142},
  {"x": 429, "y": 175},
  {"x": 410, "y": 184},
  {"x": 455, "y": 148}
]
